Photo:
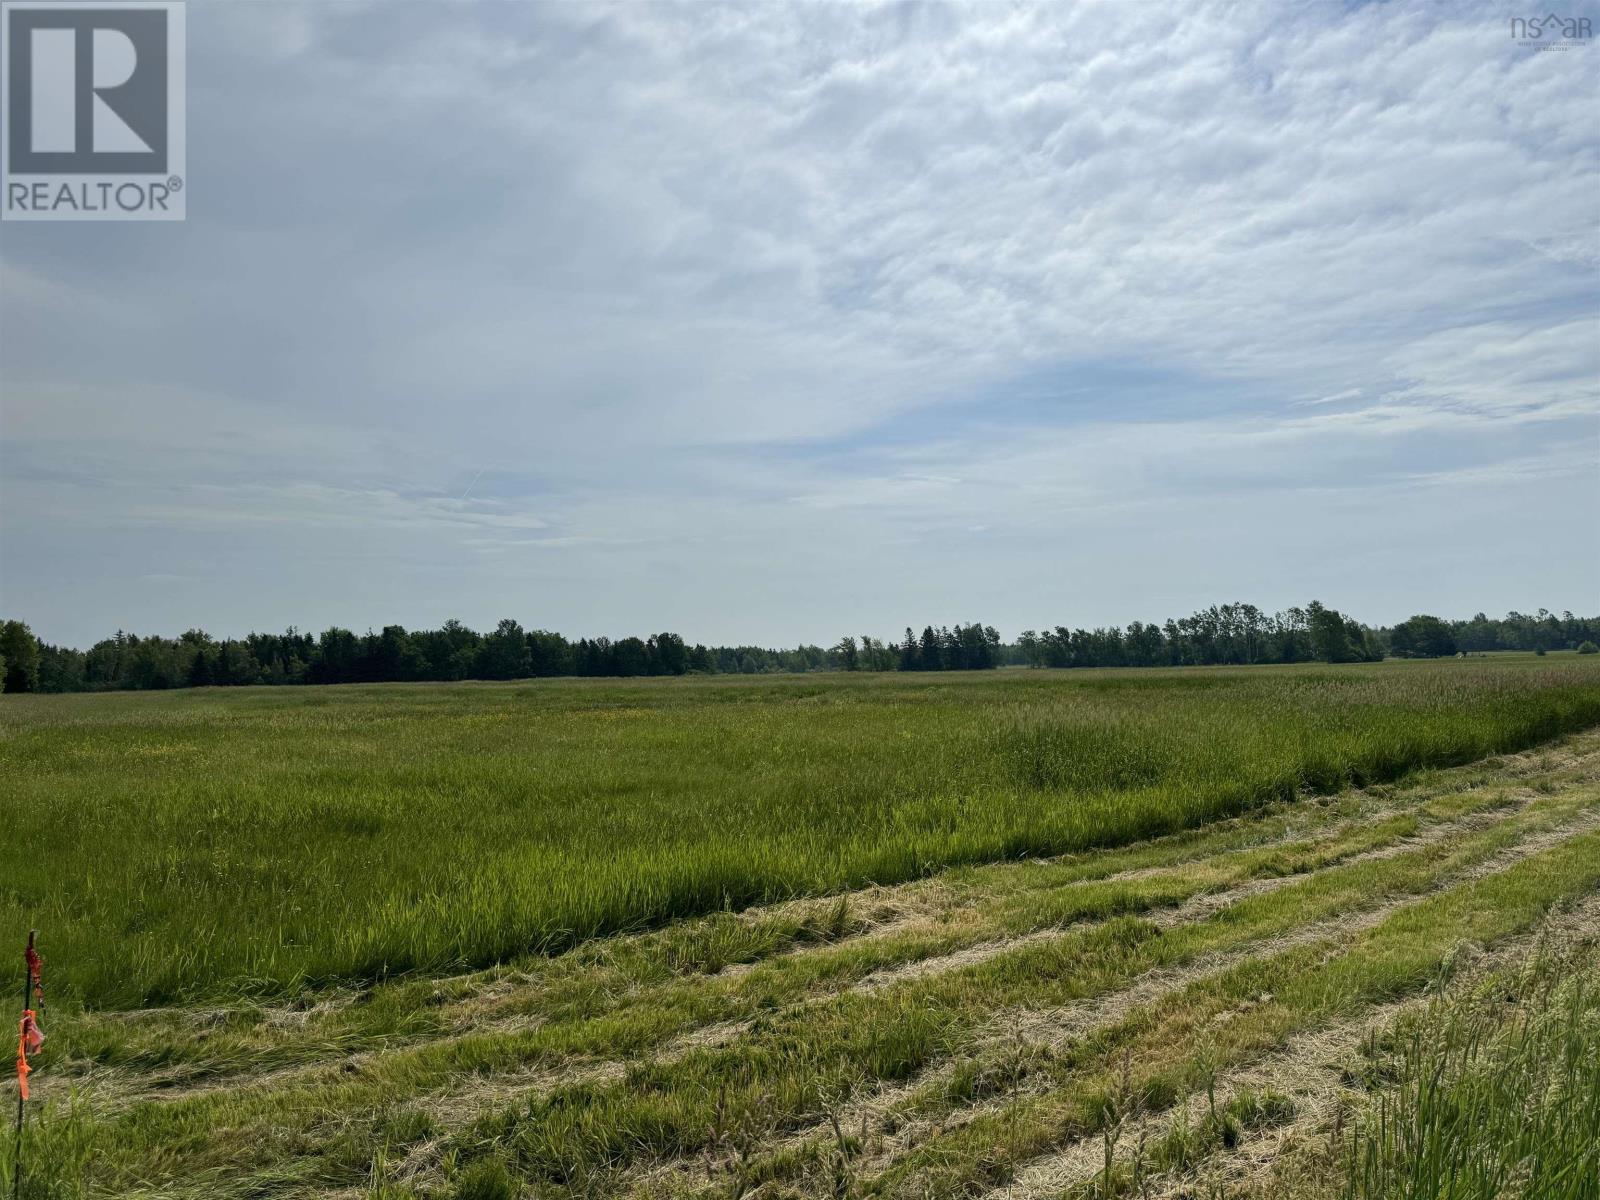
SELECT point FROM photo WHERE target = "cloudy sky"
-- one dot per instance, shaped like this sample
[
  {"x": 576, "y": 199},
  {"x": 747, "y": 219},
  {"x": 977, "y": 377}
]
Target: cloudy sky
[{"x": 774, "y": 323}]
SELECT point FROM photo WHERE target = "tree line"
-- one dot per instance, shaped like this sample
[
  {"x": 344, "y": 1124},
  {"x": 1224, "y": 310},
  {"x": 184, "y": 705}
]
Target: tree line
[{"x": 1219, "y": 635}]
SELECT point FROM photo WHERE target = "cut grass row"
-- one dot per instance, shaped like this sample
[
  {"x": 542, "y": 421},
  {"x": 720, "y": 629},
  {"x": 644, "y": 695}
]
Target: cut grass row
[
  {"x": 1344, "y": 893},
  {"x": 1267, "y": 999},
  {"x": 249, "y": 842}
]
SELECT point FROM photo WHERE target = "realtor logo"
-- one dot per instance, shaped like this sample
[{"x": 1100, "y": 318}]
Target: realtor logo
[{"x": 94, "y": 119}]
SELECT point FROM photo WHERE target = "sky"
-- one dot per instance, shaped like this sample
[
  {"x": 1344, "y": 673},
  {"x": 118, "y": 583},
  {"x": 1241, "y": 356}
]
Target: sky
[{"x": 769, "y": 323}]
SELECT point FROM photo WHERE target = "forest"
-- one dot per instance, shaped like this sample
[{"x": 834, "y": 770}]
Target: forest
[{"x": 1228, "y": 634}]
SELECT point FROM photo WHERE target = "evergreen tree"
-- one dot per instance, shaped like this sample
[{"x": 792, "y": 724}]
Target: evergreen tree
[{"x": 910, "y": 660}]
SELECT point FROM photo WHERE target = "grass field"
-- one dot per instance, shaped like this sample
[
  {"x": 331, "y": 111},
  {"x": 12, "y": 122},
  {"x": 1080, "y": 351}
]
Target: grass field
[
  {"x": 1261, "y": 932},
  {"x": 188, "y": 843}
]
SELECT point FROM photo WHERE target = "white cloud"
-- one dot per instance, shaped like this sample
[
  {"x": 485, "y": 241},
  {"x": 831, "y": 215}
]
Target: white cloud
[{"x": 748, "y": 286}]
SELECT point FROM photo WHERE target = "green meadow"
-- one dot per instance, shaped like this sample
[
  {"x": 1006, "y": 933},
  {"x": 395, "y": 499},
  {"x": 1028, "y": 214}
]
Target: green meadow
[{"x": 174, "y": 846}]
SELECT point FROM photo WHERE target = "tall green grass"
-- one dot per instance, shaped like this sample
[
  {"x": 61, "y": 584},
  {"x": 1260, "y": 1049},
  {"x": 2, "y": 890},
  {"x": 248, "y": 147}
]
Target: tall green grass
[
  {"x": 1494, "y": 1095},
  {"x": 255, "y": 839}
]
